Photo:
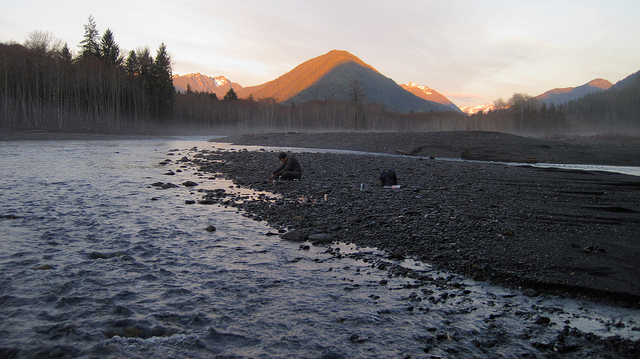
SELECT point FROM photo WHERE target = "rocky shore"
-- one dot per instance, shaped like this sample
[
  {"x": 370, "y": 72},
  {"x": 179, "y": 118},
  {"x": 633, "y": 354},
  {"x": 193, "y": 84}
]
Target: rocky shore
[{"x": 557, "y": 231}]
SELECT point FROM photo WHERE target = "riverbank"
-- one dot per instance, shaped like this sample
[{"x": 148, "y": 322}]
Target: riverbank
[
  {"x": 564, "y": 232},
  {"x": 488, "y": 146}
]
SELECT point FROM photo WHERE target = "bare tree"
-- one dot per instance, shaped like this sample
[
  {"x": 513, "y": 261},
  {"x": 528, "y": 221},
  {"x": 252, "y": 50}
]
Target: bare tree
[{"x": 42, "y": 42}]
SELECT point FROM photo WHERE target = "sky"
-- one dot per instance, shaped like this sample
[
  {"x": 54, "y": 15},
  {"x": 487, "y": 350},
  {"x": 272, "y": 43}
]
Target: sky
[{"x": 471, "y": 51}]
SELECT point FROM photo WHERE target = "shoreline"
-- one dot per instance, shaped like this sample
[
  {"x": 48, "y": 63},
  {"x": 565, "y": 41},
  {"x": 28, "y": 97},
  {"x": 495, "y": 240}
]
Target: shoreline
[
  {"x": 555, "y": 231},
  {"x": 484, "y": 146}
]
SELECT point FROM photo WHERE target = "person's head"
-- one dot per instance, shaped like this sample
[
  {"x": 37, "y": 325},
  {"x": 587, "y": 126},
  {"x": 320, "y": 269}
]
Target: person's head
[{"x": 283, "y": 156}]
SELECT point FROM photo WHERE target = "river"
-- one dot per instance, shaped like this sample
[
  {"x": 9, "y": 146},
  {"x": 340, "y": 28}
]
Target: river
[{"x": 97, "y": 262}]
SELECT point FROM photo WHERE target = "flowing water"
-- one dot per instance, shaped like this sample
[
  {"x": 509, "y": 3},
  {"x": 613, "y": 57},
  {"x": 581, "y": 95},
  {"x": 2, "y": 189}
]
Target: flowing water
[{"x": 96, "y": 262}]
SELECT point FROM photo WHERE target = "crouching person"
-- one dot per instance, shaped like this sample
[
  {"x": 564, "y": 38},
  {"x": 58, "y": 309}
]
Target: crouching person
[{"x": 289, "y": 169}]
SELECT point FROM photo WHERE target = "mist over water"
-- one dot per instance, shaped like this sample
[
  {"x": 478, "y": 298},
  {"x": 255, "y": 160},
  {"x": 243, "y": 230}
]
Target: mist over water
[{"x": 96, "y": 262}]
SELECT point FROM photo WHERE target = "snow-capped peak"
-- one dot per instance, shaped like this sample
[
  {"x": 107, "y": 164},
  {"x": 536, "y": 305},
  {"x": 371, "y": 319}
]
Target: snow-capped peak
[
  {"x": 221, "y": 81},
  {"x": 484, "y": 108},
  {"x": 425, "y": 89}
]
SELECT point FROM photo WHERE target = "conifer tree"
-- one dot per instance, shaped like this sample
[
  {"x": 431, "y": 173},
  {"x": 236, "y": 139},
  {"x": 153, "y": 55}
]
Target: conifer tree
[
  {"x": 230, "y": 95},
  {"x": 131, "y": 64},
  {"x": 89, "y": 45},
  {"x": 109, "y": 49},
  {"x": 65, "y": 53},
  {"x": 162, "y": 83}
]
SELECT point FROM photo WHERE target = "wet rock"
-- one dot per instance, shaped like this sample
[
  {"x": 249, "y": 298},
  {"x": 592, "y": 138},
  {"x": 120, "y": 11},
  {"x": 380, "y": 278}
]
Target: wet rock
[
  {"x": 189, "y": 201},
  {"x": 163, "y": 185},
  {"x": 320, "y": 238},
  {"x": 356, "y": 339},
  {"x": 294, "y": 236},
  {"x": 530, "y": 292},
  {"x": 98, "y": 255},
  {"x": 189, "y": 184},
  {"x": 43, "y": 267},
  {"x": 210, "y": 228},
  {"x": 543, "y": 321}
]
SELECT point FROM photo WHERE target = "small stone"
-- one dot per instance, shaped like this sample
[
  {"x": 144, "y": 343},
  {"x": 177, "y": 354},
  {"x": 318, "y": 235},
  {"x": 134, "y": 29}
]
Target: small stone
[
  {"x": 530, "y": 292},
  {"x": 210, "y": 228},
  {"x": 189, "y": 184}
]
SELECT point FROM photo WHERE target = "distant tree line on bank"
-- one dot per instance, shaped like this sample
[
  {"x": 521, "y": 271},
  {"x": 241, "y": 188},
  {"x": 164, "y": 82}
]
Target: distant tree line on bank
[
  {"x": 43, "y": 85},
  {"x": 615, "y": 111}
]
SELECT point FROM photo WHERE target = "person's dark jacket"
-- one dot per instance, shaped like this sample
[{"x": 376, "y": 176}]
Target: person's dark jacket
[{"x": 290, "y": 165}]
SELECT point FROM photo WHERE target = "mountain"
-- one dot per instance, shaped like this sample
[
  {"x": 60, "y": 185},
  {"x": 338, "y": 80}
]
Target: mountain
[
  {"x": 484, "y": 108},
  {"x": 219, "y": 85},
  {"x": 429, "y": 94},
  {"x": 331, "y": 77},
  {"x": 616, "y": 107},
  {"x": 630, "y": 81},
  {"x": 563, "y": 95}
]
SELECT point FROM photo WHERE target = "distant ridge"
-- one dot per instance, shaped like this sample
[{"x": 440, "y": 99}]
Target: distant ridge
[
  {"x": 330, "y": 77},
  {"x": 429, "y": 94},
  {"x": 327, "y": 77},
  {"x": 198, "y": 82},
  {"x": 482, "y": 108},
  {"x": 563, "y": 95}
]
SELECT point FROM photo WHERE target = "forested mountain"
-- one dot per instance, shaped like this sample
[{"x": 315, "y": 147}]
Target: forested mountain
[
  {"x": 618, "y": 106},
  {"x": 301, "y": 77},
  {"x": 339, "y": 75},
  {"x": 197, "y": 82},
  {"x": 559, "y": 96}
]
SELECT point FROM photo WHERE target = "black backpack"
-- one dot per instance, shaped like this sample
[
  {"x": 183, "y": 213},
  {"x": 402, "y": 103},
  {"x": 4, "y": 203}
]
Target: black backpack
[{"x": 388, "y": 178}]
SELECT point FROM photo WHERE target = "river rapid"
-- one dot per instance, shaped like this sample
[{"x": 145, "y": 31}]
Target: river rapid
[{"x": 96, "y": 261}]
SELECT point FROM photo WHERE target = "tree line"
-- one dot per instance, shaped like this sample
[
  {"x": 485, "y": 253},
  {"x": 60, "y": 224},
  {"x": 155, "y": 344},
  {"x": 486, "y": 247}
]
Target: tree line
[
  {"x": 44, "y": 86},
  {"x": 615, "y": 111}
]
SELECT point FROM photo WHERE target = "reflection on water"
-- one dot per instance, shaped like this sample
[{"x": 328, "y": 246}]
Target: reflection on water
[{"x": 97, "y": 262}]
